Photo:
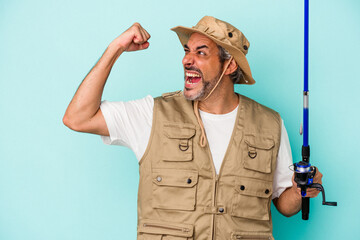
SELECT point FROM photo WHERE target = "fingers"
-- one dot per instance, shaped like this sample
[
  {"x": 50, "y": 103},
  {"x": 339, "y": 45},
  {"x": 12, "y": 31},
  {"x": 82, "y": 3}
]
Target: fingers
[
  {"x": 310, "y": 192},
  {"x": 141, "y": 36},
  {"x": 133, "y": 39},
  {"x": 318, "y": 176}
]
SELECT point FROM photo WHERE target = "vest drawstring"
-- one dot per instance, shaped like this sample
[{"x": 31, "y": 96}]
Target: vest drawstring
[
  {"x": 202, "y": 136},
  {"x": 203, "y": 140}
]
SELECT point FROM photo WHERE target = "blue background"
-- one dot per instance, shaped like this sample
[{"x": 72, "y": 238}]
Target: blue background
[{"x": 60, "y": 185}]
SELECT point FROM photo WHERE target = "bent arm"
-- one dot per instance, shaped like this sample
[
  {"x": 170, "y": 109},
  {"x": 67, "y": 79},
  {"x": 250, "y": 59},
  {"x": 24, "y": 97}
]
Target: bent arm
[{"x": 83, "y": 113}]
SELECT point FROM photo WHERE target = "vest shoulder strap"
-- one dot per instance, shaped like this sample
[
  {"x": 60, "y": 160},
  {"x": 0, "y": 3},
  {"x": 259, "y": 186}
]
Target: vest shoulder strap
[
  {"x": 256, "y": 107},
  {"x": 171, "y": 94}
]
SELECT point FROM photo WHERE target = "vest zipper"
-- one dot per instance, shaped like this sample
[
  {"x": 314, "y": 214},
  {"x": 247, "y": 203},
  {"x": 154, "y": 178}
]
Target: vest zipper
[
  {"x": 215, "y": 188},
  {"x": 251, "y": 237},
  {"x": 216, "y": 177},
  {"x": 167, "y": 227},
  {"x": 214, "y": 203}
]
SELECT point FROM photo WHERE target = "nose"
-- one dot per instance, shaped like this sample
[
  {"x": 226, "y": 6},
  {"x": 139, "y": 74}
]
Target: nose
[{"x": 188, "y": 60}]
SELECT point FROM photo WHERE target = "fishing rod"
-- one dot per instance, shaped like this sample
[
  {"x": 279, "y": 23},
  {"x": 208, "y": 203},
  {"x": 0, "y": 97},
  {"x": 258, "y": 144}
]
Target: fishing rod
[{"x": 304, "y": 171}]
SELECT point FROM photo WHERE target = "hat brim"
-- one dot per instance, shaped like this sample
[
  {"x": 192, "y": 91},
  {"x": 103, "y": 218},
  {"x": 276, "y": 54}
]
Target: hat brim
[{"x": 184, "y": 34}]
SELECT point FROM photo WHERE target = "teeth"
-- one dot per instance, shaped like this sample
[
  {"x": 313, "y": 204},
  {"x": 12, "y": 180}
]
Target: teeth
[{"x": 192, "y": 74}]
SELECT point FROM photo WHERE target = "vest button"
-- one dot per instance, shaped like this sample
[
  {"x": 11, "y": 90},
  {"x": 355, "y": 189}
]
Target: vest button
[
  {"x": 221, "y": 210},
  {"x": 158, "y": 179},
  {"x": 267, "y": 191},
  {"x": 242, "y": 187},
  {"x": 189, "y": 181}
]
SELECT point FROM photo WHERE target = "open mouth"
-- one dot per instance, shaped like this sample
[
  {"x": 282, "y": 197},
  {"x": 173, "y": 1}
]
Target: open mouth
[{"x": 192, "y": 79}]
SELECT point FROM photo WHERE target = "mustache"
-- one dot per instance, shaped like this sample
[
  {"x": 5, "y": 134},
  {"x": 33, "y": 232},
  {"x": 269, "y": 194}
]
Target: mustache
[{"x": 192, "y": 68}]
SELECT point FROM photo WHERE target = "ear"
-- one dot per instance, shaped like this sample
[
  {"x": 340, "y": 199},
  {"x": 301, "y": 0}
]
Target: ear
[{"x": 231, "y": 68}]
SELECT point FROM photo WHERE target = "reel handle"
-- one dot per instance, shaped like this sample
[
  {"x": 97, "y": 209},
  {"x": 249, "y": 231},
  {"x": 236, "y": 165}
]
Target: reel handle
[{"x": 320, "y": 187}]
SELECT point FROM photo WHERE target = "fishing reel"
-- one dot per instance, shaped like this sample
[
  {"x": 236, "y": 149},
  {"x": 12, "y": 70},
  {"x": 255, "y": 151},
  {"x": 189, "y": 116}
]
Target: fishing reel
[{"x": 304, "y": 176}]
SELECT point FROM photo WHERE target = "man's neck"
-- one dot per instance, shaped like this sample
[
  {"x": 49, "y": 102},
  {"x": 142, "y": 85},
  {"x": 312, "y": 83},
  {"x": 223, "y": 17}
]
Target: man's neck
[{"x": 220, "y": 103}]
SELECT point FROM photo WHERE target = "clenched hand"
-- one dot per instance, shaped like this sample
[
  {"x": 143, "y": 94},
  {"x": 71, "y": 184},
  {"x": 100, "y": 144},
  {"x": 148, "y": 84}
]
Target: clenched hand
[{"x": 133, "y": 39}]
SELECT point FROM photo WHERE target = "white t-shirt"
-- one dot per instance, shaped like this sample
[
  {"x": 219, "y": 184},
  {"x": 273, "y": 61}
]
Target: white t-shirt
[{"x": 129, "y": 124}]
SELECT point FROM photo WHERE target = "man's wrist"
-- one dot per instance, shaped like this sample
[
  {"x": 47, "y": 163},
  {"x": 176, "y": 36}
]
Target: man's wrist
[{"x": 116, "y": 49}]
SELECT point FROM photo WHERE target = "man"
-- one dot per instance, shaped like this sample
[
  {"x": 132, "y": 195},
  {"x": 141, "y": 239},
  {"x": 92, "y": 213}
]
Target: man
[{"x": 210, "y": 159}]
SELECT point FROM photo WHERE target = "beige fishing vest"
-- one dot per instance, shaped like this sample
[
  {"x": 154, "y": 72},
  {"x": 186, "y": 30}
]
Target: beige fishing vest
[{"x": 181, "y": 196}]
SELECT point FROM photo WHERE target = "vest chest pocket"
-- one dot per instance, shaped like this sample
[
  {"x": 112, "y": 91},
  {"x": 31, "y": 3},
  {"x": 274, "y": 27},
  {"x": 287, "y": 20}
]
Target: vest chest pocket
[
  {"x": 258, "y": 153},
  {"x": 174, "y": 189},
  {"x": 252, "y": 199},
  {"x": 158, "y": 230},
  {"x": 177, "y": 143}
]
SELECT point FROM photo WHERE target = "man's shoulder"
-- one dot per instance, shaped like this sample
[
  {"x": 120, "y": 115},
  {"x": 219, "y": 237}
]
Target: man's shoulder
[
  {"x": 256, "y": 104},
  {"x": 259, "y": 111},
  {"x": 171, "y": 94},
  {"x": 173, "y": 101}
]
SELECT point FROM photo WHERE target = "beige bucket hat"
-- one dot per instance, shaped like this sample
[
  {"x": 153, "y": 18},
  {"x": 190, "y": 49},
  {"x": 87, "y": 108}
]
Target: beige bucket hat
[{"x": 225, "y": 35}]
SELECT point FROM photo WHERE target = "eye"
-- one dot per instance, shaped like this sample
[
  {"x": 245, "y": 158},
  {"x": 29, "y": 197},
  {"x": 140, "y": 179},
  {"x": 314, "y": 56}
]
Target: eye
[
  {"x": 186, "y": 50},
  {"x": 201, "y": 53}
]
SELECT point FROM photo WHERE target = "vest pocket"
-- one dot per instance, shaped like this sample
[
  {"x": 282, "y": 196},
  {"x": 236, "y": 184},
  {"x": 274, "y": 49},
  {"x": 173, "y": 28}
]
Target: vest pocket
[
  {"x": 177, "y": 144},
  {"x": 259, "y": 152},
  {"x": 157, "y": 230},
  {"x": 174, "y": 189},
  {"x": 251, "y": 236},
  {"x": 251, "y": 199}
]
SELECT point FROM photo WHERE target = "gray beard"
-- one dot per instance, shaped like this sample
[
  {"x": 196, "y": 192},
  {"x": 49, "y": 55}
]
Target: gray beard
[{"x": 205, "y": 90}]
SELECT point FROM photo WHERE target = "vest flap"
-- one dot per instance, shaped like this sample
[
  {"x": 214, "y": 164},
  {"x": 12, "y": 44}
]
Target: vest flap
[
  {"x": 179, "y": 130},
  {"x": 253, "y": 187},
  {"x": 175, "y": 177},
  {"x": 259, "y": 141},
  {"x": 165, "y": 228}
]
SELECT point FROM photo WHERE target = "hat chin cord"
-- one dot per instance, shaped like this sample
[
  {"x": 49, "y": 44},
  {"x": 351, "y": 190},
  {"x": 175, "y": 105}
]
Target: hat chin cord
[{"x": 203, "y": 140}]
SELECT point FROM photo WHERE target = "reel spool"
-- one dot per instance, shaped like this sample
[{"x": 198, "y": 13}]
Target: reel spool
[{"x": 304, "y": 176}]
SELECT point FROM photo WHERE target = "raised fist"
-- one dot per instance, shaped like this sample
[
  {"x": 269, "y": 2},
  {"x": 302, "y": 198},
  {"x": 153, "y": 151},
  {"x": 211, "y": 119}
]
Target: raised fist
[{"x": 133, "y": 39}]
